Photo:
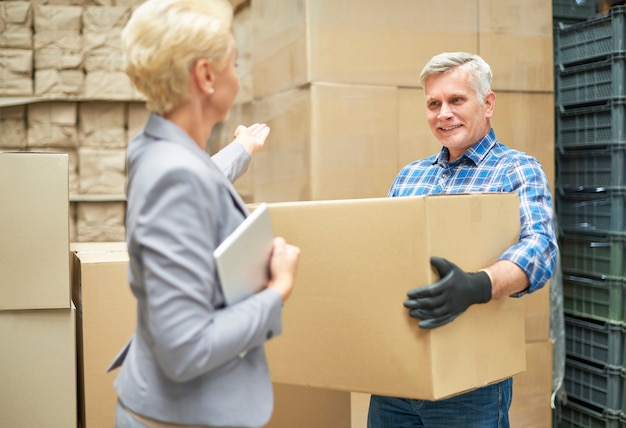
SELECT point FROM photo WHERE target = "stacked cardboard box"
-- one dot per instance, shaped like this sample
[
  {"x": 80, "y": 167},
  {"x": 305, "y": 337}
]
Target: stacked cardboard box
[
  {"x": 37, "y": 318},
  {"x": 106, "y": 321}
]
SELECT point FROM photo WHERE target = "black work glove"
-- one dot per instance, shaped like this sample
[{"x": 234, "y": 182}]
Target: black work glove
[{"x": 439, "y": 303}]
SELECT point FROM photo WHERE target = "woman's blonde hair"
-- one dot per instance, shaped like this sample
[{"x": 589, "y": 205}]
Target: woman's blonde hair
[
  {"x": 162, "y": 40},
  {"x": 479, "y": 70}
]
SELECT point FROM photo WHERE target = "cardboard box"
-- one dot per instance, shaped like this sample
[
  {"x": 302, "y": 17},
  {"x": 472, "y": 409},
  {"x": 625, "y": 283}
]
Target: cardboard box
[
  {"x": 525, "y": 121},
  {"x": 537, "y": 309},
  {"x": 242, "y": 31},
  {"x": 298, "y": 42},
  {"x": 516, "y": 39},
  {"x": 532, "y": 390},
  {"x": 328, "y": 141},
  {"x": 107, "y": 320},
  {"x": 34, "y": 248},
  {"x": 360, "y": 404},
  {"x": 38, "y": 368},
  {"x": 354, "y": 41},
  {"x": 345, "y": 325},
  {"x": 303, "y": 407}
]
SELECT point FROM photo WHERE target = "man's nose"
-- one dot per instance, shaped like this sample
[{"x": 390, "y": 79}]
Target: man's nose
[{"x": 445, "y": 112}]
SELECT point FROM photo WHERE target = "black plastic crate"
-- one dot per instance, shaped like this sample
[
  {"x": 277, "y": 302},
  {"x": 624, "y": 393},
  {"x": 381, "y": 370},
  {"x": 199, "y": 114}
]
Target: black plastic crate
[
  {"x": 593, "y": 256},
  {"x": 587, "y": 212},
  {"x": 597, "y": 125},
  {"x": 594, "y": 38},
  {"x": 595, "y": 169},
  {"x": 575, "y": 415},
  {"x": 591, "y": 83},
  {"x": 599, "y": 299},
  {"x": 601, "y": 388},
  {"x": 598, "y": 343}
]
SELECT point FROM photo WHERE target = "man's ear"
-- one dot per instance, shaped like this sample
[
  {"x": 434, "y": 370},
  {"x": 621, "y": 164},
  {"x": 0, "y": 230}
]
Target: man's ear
[
  {"x": 203, "y": 75},
  {"x": 490, "y": 104}
]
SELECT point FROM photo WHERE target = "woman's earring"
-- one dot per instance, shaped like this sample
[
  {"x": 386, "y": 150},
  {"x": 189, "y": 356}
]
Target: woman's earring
[{"x": 211, "y": 91}]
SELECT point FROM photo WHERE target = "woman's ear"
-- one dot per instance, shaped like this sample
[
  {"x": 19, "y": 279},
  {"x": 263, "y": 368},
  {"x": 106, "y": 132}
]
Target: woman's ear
[{"x": 203, "y": 76}]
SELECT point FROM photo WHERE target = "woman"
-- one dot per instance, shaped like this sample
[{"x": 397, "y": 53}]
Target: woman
[{"x": 193, "y": 361}]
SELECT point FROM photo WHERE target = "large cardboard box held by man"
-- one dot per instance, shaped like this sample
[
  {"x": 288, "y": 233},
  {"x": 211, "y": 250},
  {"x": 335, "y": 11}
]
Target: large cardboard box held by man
[{"x": 345, "y": 327}]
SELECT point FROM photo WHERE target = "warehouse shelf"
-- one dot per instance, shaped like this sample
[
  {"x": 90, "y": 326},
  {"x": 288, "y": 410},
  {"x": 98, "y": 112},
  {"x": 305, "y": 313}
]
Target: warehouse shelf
[
  {"x": 98, "y": 198},
  {"x": 25, "y": 100}
]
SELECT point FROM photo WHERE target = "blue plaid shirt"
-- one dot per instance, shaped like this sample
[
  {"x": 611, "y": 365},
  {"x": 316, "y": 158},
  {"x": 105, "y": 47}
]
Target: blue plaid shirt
[{"x": 489, "y": 166}]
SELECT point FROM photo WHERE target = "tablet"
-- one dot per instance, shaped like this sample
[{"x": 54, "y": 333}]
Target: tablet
[{"x": 242, "y": 259}]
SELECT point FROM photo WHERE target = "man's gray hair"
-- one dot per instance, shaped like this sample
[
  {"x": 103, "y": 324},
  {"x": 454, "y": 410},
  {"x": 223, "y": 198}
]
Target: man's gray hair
[{"x": 479, "y": 70}]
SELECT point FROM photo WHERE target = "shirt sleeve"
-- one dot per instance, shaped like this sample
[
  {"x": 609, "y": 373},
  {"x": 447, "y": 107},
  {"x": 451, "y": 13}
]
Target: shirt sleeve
[{"x": 536, "y": 251}]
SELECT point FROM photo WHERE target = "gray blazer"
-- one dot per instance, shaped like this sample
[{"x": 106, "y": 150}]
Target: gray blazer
[{"x": 191, "y": 360}]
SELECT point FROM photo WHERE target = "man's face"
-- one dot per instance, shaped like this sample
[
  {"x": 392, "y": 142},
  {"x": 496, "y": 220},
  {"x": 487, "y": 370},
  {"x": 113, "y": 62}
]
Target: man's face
[{"x": 455, "y": 114}]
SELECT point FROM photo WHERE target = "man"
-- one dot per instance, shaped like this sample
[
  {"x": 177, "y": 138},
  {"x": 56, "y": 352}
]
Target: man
[{"x": 460, "y": 104}]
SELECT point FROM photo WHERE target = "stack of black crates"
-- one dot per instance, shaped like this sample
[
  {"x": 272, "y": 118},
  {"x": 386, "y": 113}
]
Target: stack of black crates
[{"x": 590, "y": 98}]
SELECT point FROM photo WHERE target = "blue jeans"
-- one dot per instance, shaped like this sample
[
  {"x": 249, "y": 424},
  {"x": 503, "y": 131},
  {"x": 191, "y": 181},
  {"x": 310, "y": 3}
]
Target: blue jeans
[{"x": 486, "y": 407}]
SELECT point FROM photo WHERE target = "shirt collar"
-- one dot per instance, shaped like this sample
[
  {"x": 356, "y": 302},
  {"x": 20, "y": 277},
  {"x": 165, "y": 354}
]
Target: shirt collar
[{"x": 476, "y": 153}]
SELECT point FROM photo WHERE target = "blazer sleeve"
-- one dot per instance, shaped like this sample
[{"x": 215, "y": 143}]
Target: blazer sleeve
[
  {"x": 177, "y": 233},
  {"x": 232, "y": 160}
]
